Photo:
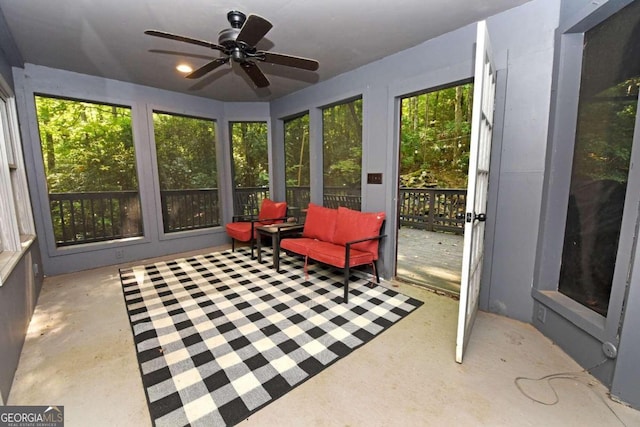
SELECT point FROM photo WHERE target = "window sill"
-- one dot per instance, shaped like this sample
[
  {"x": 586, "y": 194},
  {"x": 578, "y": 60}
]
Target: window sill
[
  {"x": 584, "y": 318},
  {"x": 9, "y": 259}
]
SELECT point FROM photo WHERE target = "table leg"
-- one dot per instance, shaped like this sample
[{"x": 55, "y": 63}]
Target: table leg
[
  {"x": 259, "y": 247},
  {"x": 276, "y": 251}
]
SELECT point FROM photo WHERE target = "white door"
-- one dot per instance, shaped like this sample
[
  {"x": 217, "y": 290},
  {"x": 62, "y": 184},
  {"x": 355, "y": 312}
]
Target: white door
[{"x": 480, "y": 152}]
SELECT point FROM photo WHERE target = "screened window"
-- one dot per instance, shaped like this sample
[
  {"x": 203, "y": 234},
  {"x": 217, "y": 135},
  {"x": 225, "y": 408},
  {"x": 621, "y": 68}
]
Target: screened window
[
  {"x": 342, "y": 154},
  {"x": 249, "y": 143},
  {"x": 604, "y": 138},
  {"x": 186, "y": 158},
  {"x": 296, "y": 146},
  {"x": 16, "y": 219},
  {"x": 90, "y": 168}
]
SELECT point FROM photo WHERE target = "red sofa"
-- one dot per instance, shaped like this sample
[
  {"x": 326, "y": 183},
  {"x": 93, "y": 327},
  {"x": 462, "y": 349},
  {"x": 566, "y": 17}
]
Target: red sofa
[{"x": 343, "y": 238}]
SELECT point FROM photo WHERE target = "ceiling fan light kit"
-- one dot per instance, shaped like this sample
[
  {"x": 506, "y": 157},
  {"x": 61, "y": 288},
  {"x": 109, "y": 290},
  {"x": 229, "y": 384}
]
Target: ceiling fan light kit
[{"x": 238, "y": 43}]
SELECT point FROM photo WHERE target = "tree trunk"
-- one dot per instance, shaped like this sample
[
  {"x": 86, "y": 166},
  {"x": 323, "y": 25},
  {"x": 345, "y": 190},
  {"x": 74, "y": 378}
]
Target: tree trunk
[
  {"x": 356, "y": 121},
  {"x": 458, "y": 124},
  {"x": 51, "y": 155}
]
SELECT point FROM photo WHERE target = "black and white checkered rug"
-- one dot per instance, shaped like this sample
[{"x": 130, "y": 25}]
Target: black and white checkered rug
[{"x": 219, "y": 336}]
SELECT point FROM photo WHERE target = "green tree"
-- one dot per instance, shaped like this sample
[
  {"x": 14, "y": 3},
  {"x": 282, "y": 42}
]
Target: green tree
[
  {"x": 186, "y": 152},
  {"x": 434, "y": 132},
  {"x": 86, "y": 146},
  {"x": 250, "y": 154},
  {"x": 604, "y": 136},
  {"x": 342, "y": 145},
  {"x": 296, "y": 143}
]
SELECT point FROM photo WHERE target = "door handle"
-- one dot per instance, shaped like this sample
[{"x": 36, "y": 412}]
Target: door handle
[{"x": 476, "y": 216}]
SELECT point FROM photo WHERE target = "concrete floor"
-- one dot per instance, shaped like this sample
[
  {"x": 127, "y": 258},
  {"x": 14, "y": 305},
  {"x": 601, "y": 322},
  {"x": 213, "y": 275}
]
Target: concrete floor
[{"x": 79, "y": 353}]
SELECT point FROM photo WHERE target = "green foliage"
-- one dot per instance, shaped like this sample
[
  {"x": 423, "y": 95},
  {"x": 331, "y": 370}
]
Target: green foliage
[
  {"x": 604, "y": 136},
  {"x": 342, "y": 145},
  {"x": 435, "y": 134},
  {"x": 186, "y": 152},
  {"x": 250, "y": 154},
  {"x": 86, "y": 146}
]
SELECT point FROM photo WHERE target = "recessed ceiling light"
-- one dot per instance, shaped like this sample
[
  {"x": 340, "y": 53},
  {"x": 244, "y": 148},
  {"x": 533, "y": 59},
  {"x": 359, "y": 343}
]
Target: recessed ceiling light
[{"x": 184, "y": 68}]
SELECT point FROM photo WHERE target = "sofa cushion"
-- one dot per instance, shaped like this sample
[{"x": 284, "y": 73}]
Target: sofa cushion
[
  {"x": 240, "y": 231},
  {"x": 270, "y": 210},
  {"x": 355, "y": 225},
  {"x": 333, "y": 254},
  {"x": 320, "y": 223},
  {"x": 299, "y": 245}
]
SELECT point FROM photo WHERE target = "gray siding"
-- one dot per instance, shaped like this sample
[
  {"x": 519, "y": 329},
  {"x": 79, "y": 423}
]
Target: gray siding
[
  {"x": 18, "y": 296},
  {"x": 19, "y": 292}
]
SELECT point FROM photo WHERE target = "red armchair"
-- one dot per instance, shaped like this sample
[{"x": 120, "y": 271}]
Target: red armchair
[{"x": 243, "y": 227}]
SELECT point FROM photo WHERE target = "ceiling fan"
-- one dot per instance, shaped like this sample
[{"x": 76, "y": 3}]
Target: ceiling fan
[{"x": 239, "y": 43}]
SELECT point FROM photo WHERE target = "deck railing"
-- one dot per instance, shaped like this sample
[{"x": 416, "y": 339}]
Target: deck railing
[
  {"x": 95, "y": 216},
  {"x": 432, "y": 209},
  {"x": 99, "y": 216},
  {"x": 189, "y": 209},
  {"x": 247, "y": 200}
]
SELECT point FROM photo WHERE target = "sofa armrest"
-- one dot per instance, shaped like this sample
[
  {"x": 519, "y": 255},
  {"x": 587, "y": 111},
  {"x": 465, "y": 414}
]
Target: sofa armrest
[
  {"x": 353, "y": 242},
  {"x": 254, "y": 218},
  {"x": 282, "y": 218},
  {"x": 244, "y": 218}
]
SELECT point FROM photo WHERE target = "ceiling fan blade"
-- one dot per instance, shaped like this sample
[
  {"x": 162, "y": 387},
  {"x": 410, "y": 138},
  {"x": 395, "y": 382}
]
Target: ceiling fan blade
[
  {"x": 255, "y": 74},
  {"x": 253, "y": 30},
  {"x": 184, "y": 39},
  {"x": 290, "y": 61},
  {"x": 207, "y": 68}
]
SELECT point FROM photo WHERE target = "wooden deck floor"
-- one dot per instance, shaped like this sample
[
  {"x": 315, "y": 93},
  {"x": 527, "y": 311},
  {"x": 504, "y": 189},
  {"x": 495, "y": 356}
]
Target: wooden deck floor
[{"x": 430, "y": 258}]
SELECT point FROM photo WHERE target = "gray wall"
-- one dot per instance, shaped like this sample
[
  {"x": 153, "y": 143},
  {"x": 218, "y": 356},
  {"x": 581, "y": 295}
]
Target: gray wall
[
  {"x": 524, "y": 39},
  {"x": 19, "y": 292},
  {"x": 18, "y": 296},
  {"x": 33, "y": 80},
  {"x": 581, "y": 332},
  {"x": 523, "y": 43},
  {"x": 9, "y": 55}
]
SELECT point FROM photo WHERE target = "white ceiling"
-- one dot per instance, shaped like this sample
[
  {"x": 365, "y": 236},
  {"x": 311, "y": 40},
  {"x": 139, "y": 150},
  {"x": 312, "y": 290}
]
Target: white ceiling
[{"x": 105, "y": 38}]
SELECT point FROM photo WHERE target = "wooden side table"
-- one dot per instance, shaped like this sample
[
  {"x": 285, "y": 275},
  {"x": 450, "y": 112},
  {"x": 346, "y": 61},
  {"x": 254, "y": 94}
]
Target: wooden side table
[{"x": 276, "y": 232}]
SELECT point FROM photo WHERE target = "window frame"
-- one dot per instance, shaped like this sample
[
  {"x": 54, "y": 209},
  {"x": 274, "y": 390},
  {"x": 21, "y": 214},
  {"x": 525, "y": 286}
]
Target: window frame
[
  {"x": 154, "y": 181},
  {"x": 45, "y": 219},
  {"x": 322, "y": 109},
  {"x": 18, "y": 230},
  {"x": 232, "y": 164},
  {"x": 52, "y": 247},
  {"x": 558, "y": 166},
  {"x": 156, "y": 172},
  {"x": 284, "y": 121}
]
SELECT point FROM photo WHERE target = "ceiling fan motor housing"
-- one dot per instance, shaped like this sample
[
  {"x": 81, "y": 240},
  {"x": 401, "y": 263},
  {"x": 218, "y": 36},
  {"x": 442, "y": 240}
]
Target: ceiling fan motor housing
[
  {"x": 228, "y": 36},
  {"x": 236, "y": 18}
]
